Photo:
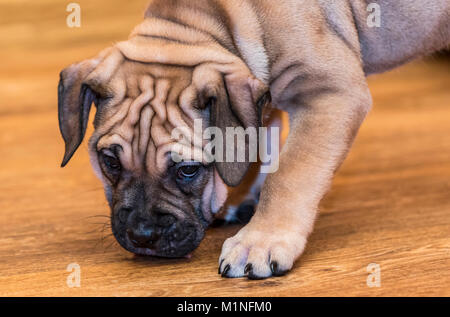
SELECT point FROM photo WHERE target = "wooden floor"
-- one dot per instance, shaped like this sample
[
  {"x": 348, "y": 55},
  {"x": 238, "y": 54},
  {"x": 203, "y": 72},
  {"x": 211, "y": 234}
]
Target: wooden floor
[{"x": 389, "y": 205}]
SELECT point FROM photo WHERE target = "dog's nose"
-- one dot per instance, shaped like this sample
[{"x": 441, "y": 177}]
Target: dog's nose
[
  {"x": 143, "y": 237},
  {"x": 144, "y": 231}
]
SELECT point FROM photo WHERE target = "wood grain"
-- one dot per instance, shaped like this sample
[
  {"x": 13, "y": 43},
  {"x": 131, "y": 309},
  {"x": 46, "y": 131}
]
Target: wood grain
[{"x": 389, "y": 204}]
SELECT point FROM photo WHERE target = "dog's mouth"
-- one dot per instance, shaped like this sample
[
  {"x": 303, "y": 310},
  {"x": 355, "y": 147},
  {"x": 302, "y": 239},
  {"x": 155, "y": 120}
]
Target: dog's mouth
[{"x": 176, "y": 242}]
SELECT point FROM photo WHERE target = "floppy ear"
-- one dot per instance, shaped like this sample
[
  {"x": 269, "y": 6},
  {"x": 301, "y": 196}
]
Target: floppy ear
[
  {"x": 245, "y": 97},
  {"x": 74, "y": 103}
]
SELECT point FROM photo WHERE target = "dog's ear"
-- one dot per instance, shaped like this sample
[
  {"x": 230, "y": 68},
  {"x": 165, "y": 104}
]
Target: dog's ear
[
  {"x": 245, "y": 97},
  {"x": 74, "y": 103}
]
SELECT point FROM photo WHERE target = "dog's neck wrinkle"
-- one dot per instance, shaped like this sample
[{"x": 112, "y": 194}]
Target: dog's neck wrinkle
[
  {"x": 241, "y": 37},
  {"x": 248, "y": 36},
  {"x": 212, "y": 22}
]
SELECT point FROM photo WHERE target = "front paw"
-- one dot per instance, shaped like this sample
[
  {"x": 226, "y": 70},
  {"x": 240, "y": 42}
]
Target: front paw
[{"x": 259, "y": 254}]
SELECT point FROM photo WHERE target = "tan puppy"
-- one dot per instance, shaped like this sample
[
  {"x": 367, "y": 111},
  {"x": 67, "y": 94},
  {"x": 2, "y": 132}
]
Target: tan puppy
[{"x": 217, "y": 60}]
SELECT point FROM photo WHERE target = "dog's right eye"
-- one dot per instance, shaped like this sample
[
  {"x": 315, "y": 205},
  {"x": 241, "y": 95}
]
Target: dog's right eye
[{"x": 188, "y": 171}]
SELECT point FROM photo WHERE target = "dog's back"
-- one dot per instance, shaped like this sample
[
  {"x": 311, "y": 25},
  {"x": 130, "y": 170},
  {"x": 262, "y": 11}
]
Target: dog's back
[{"x": 407, "y": 29}]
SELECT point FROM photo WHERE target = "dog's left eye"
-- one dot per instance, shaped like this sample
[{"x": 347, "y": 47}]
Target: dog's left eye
[
  {"x": 111, "y": 162},
  {"x": 188, "y": 171}
]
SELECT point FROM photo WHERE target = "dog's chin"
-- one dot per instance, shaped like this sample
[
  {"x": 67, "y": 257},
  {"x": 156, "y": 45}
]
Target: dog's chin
[{"x": 164, "y": 247}]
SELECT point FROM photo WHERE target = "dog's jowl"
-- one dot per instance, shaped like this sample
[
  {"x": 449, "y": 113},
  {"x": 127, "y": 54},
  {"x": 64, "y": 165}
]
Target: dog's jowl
[{"x": 225, "y": 62}]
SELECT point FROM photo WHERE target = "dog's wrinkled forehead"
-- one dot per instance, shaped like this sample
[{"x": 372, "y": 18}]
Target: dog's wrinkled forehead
[
  {"x": 143, "y": 104},
  {"x": 152, "y": 83}
]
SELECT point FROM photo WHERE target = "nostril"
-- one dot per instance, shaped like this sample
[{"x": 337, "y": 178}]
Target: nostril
[
  {"x": 143, "y": 238},
  {"x": 131, "y": 237},
  {"x": 123, "y": 214}
]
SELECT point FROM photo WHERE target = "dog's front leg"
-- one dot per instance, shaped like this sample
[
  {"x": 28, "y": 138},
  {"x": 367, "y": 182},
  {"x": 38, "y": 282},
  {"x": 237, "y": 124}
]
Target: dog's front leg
[{"x": 323, "y": 123}]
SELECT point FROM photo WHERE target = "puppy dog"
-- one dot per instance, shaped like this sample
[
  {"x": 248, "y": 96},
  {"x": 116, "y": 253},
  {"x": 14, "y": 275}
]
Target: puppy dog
[{"x": 222, "y": 62}]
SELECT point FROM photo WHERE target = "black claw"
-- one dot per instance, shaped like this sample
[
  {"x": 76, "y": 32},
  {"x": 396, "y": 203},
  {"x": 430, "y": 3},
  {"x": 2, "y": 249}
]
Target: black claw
[
  {"x": 220, "y": 265},
  {"x": 276, "y": 270},
  {"x": 225, "y": 270},
  {"x": 274, "y": 267},
  {"x": 248, "y": 268}
]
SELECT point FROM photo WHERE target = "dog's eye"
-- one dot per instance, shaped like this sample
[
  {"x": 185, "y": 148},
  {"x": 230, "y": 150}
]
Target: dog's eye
[
  {"x": 188, "y": 171},
  {"x": 111, "y": 162}
]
